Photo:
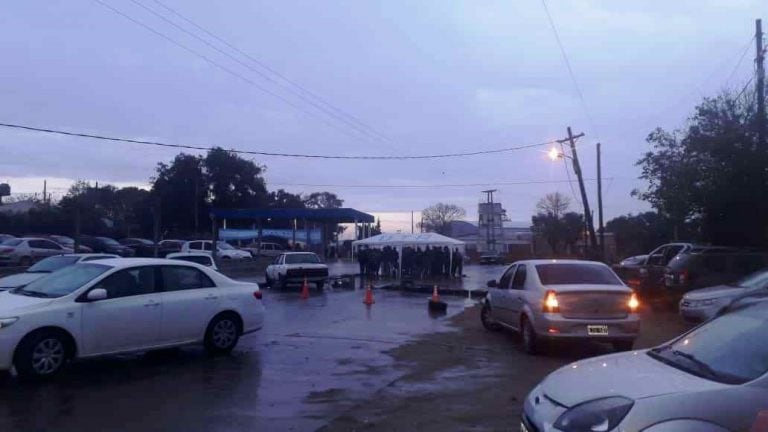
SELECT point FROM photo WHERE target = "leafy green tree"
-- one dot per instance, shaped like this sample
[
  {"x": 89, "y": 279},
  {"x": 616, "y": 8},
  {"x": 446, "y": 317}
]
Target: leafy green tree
[
  {"x": 438, "y": 217},
  {"x": 711, "y": 174},
  {"x": 181, "y": 188},
  {"x": 234, "y": 182},
  {"x": 318, "y": 200}
]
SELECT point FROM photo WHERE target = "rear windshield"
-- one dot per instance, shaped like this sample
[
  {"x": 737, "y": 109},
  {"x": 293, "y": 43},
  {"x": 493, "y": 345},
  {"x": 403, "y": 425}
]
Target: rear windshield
[
  {"x": 307, "y": 258},
  {"x": 109, "y": 241},
  {"x": 575, "y": 274}
]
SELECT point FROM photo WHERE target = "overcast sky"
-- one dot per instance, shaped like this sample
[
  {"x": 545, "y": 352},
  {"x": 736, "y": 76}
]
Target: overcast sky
[{"x": 431, "y": 76}]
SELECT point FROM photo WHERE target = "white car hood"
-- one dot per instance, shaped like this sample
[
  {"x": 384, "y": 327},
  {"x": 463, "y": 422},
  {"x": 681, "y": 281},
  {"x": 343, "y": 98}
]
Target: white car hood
[
  {"x": 633, "y": 375},
  {"x": 18, "y": 280},
  {"x": 714, "y": 292},
  {"x": 11, "y": 304}
]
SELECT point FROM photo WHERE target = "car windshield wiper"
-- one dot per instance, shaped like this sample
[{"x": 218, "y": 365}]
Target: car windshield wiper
[
  {"x": 707, "y": 369},
  {"x": 31, "y": 293}
]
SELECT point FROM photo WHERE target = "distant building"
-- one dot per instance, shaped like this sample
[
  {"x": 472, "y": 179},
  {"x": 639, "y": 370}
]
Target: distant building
[{"x": 511, "y": 238}]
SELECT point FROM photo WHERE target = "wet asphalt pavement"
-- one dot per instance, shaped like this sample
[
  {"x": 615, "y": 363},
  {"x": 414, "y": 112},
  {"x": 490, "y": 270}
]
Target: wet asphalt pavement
[{"x": 312, "y": 361}]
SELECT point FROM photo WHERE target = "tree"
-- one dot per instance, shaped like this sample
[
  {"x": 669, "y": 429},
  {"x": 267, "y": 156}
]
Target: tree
[
  {"x": 553, "y": 203},
  {"x": 234, "y": 182},
  {"x": 318, "y": 200},
  {"x": 639, "y": 234},
  {"x": 548, "y": 227},
  {"x": 283, "y": 199},
  {"x": 182, "y": 189},
  {"x": 712, "y": 174},
  {"x": 573, "y": 229},
  {"x": 438, "y": 217}
]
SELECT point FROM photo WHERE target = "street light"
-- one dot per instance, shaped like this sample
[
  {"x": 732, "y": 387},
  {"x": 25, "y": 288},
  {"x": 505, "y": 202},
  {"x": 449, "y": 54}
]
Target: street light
[{"x": 556, "y": 154}]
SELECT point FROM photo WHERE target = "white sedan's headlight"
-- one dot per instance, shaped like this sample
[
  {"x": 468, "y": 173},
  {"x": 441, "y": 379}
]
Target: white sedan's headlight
[
  {"x": 599, "y": 415},
  {"x": 7, "y": 322}
]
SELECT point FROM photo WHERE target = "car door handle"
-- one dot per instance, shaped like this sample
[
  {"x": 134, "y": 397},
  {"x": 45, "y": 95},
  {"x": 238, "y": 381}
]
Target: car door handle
[
  {"x": 152, "y": 304},
  {"x": 211, "y": 297}
]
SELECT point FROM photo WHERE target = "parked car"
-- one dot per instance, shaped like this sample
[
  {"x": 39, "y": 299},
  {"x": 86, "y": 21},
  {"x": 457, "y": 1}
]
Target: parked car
[
  {"x": 4, "y": 237},
  {"x": 106, "y": 245},
  {"x": 647, "y": 277},
  {"x": 265, "y": 249},
  {"x": 564, "y": 300},
  {"x": 195, "y": 257},
  {"x": 25, "y": 251},
  {"x": 120, "y": 305},
  {"x": 491, "y": 258},
  {"x": 711, "y": 379},
  {"x": 224, "y": 250},
  {"x": 706, "y": 267},
  {"x": 166, "y": 247},
  {"x": 294, "y": 268},
  {"x": 703, "y": 304},
  {"x": 46, "y": 266},
  {"x": 141, "y": 247},
  {"x": 69, "y": 242}
]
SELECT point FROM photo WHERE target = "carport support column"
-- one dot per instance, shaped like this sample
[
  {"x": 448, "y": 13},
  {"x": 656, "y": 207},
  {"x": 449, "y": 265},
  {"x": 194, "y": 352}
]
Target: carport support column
[
  {"x": 306, "y": 232},
  {"x": 294, "y": 233},
  {"x": 261, "y": 230}
]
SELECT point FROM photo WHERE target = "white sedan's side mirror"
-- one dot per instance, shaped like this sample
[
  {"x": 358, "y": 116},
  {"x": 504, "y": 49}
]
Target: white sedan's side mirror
[{"x": 97, "y": 294}]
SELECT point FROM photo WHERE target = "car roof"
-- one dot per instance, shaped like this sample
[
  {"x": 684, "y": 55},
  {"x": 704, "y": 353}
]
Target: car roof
[
  {"x": 188, "y": 254},
  {"x": 134, "y": 262},
  {"x": 86, "y": 255},
  {"x": 558, "y": 261},
  {"x": 31, "y": 238},
  {"x": 297, "y": 253}
]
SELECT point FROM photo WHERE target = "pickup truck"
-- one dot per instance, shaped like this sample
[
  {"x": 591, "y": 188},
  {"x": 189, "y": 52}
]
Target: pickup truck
[{"x": 294, "y": 268}]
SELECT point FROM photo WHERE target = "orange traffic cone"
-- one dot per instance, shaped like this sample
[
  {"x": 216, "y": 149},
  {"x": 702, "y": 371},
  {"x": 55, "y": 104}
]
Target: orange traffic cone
[
  {"x": 304, "y": 290},
  {"x": 368, "y": 300},
  {"x": 435, "y": 295}
]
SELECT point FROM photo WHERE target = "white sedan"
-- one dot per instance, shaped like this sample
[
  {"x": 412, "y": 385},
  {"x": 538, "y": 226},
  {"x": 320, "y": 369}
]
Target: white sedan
[
  {"x": 122, "y": 305},
  {"x": 712, "y": 379}
]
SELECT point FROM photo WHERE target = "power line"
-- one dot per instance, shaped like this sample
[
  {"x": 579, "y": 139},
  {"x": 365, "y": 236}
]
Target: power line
[
  {"x": 219, "y": 66},
  {"x": 430, "y": 186},
  {"x": 265, "y": 153},
  {"x": 570, "y": 69},
  {"x": 271, "y": 70},
  {"x": 256, "y": 71},
  {"x": 741, "y": 59}
]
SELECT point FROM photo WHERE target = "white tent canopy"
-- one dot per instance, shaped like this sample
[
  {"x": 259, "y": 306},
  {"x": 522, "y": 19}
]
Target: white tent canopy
[{"x": 418, "y": 239}]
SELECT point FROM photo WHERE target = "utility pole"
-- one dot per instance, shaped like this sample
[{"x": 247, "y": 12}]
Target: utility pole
[
  {"x": 601, "y": 229},
  {"x": 760, "y": 82},
  {"x": 411, "y": 221},
  {"x": 577, "y": 170},
  {"x": 195, "y": 207}
]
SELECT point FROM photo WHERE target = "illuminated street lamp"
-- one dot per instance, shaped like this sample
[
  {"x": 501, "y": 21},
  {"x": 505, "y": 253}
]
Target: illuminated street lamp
[{"x": 556, "y": 154}]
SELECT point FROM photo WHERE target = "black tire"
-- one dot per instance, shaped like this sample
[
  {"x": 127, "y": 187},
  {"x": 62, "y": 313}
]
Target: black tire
[
  {"x": 528, "y": 336},
  {"x": 268, "y": 282},
  {"x": 487, "y": 319},
  {"x": 25, "y": 261},
  {"x": 320, "y": 285},
  {"x": 42, "y": 355},
  {"x": 623, "y": 345},
  {"x": 222, "y": 334},
  {"x": 282, "y": 283}
]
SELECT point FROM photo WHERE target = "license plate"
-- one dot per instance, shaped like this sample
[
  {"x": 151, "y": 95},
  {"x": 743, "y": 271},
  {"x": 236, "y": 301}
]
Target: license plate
[
  {"x": 597, "y": 330},
  {"x": 523, "y": 428}
]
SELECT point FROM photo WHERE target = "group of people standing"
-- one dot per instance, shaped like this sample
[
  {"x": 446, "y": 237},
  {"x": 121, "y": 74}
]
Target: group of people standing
[{"x": 417, "y": 263}]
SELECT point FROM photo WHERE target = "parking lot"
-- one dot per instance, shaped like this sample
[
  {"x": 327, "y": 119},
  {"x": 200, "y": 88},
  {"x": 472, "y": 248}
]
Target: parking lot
[{"x": 327, "y": 363}]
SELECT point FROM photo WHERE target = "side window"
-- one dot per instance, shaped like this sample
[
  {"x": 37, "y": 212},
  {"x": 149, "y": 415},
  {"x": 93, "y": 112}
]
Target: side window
[
  {"x": 505, "y": 280},
  {"x": 130, "y": 282},
  {"x": 207, "y": 246},
  {"x": 671, "y": 252},
  {"x": 194, "y": 246},
  {"x": 37, "y": 244},
  {"x": 518, "y": 282},
  {"x": 657, "y": 256},
  {"x": 180, "y": 278}
]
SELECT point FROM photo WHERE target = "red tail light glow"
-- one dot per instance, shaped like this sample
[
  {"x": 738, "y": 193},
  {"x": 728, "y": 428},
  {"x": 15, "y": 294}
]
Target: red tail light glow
[
  {"x": 257, "y": 294},
  {"x": 551, "y": 304}
]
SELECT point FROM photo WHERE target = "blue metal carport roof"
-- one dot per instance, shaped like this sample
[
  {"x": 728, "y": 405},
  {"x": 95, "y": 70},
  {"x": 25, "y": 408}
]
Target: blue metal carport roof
[{"x": 331, "y": 215}]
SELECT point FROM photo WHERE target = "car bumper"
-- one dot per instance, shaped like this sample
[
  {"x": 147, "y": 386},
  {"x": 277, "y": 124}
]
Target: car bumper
[
  {"x": 540, "y": 412},
  {"x": 555, "y": 326},
  {"x": 698, "y": 314},
  {"x": 8, "y": 341}
]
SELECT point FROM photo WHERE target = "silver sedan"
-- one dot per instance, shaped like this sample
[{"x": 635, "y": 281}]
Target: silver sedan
[
  {"x": 703, "y": 304},
  {"x": 711, "y": 379}
]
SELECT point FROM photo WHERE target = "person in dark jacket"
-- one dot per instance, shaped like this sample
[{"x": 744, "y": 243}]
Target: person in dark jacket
[{"x": 362, "y": 260}]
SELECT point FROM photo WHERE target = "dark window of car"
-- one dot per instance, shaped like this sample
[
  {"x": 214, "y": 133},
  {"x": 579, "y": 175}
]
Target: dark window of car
[
  {"x": 43, "y": 244},
  {"x": 716, "y": 263},
  {"x": 179, "y": 278},
  {"x": 657, "y": 257},
  {"x": 207, "y": 246},
  {"x": 506, "y": 279},
  {"x": 518, "y": 282},
  {"x": 199, "y": 259},
  {"x": 670, "y": 253},
  {"x": 302, "y": 258},
  {"x": 130, "y": 282},
  {"x": 51, "y": 264},
  {"x": 575, "y": 274}
]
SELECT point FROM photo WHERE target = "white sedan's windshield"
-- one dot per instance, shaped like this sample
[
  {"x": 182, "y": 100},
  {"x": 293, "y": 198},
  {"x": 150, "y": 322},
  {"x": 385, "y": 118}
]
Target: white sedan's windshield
[{"x": 63, "y": 282}]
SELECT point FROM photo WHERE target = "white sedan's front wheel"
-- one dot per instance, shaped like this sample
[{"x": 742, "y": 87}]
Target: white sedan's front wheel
[{"x": 41, "y": 355}]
